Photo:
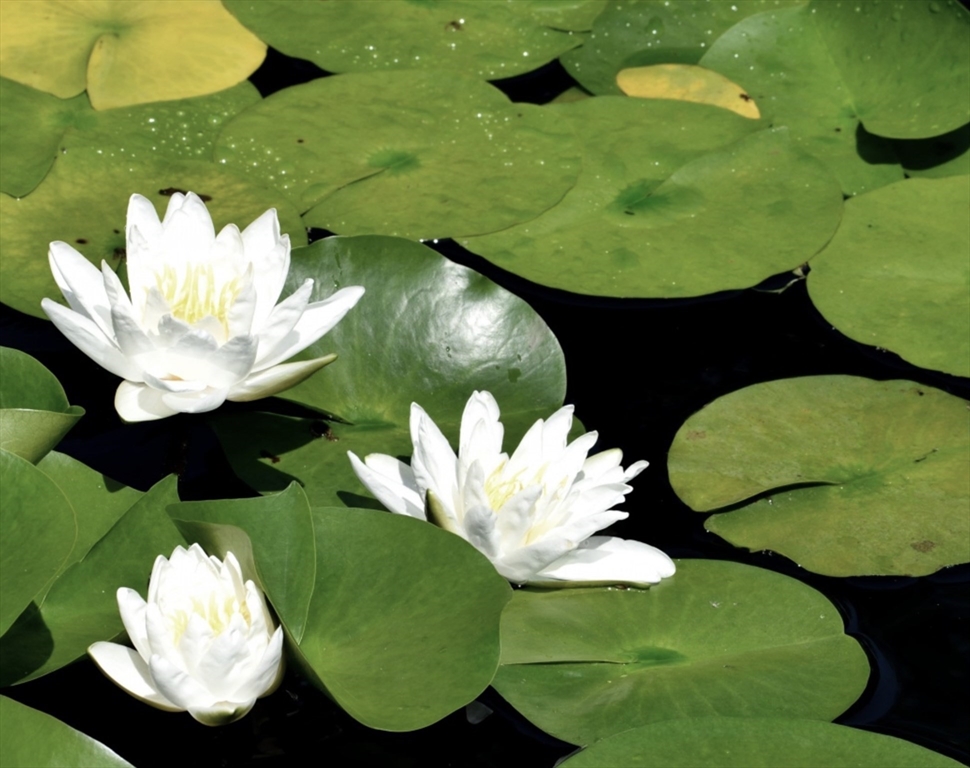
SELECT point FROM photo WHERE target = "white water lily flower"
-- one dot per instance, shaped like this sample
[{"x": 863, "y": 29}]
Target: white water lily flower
[
  {"x": 202, "y": 325},
  {"x": 204, "y": 640},
  {"x": 532, "y": 513}
]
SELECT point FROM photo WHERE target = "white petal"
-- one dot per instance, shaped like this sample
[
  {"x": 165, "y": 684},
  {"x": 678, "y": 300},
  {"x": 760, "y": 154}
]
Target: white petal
[
  {"x": 634, "y": 469},
  {"x": 479, "y": 529},
  {"x": 188, "y": 234},
  {"x": 129, "y": 671},
  {"x": 174, "y": 385},
  {"x": 604, "y": 560},
  {"x": 434, "y": 464},
  {"x": 132, "y": 607},
  {"x": 84, "y": 334},
  {"x": 200, "y": 402},
  {"x": 281, "y": 321},
  {"x": 221, "y": 670},
  {"x": 267, "y": 673},
  {"x": 139, "y": 402},
  {"x": 132, "y": 340},
  {"x": 521, "y": 565},
  {"x": 481, "y": 431},
  {"x": 240, "y": 316},
  {"x": 276, "y": 379},
  {"x": 81, "y": 283},
  {"x": 392, "y": 483},
  {"x": 179, "y": 687},
  {"x": 269, "y": 253}
]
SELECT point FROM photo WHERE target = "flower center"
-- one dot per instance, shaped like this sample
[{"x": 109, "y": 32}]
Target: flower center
[
  {"x": 499, "y": 488},
  {"x": 196, "y": 294},
  {"x": 217, "y": 613}
]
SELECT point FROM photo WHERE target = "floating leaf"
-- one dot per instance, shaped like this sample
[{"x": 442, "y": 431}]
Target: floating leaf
[
  {"x": 667, "y": 206},
  {"x": 717, "y": 637},
  {"x": 896, "y": 274},
  {"x": 735, "y": 742},
  {"x": 399, "y": 619},
  {"x": 863, "y": 477},
  {"x": 37, "y": 532},
  {"x": 934, "y": 158},
  {"x": 416, "y": 154},
  {"x": 486, "y": 40},
  {"x": 783, "y": 62},
  {"x": 34, "y": 412},
  {"x": 80, "y": 607},
  {"x": 643, "y": 32},
  {"x": 426, "y": 331},
  {"x": 686, "y": 82},
  {"x": 84, "y": 201},
  {"x": 574, "y": 15},
  {"x": 30, "y": 737},
  {"x": 125, "y": 53}
]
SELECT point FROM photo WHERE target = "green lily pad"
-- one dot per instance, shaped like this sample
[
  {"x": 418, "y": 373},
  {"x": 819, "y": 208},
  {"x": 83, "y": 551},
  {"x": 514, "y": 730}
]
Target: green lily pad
[
  {"x": 410, "y": 153},
  {"x": 427, "y": 331},
  {"x": 80, "y": 607},
  {"x": 84, "y": 201},
  {"x": 906, "y": 62},
  {"x": 937, "y": 157},
  {"x": 31, "y": 125},
  {"x": 400, "y": 619},
  {"x": 637, "y": 33},
  {"x": 123, "y": 53},
  {"x": 485, "y": 40},
  {"x": 34, "y": 412},
  {"x": 573, "y": 15},
  {"x": 896, "y": 274},
  {"x": 37, "y": 533},
  {"x": 30, "y": 737},
  {"x": 844, "y": 475},
  {"x": 716, "y": 638},
  {"x": 667, "y": 206},
  {"x": 734, "y": 742}
]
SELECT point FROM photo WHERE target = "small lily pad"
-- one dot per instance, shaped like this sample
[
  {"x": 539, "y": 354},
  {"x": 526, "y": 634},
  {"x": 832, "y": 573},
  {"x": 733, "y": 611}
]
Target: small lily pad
[
  {"x": 896, "y": 274},
  {"x": 636, "y": 33},
  {"x": 427, "y": 331},
  {"x": 34, "y": 411},
  {"x": 844, "y": 475},
  {"x": 687, "y": 82},
  {"x": 410, "y": 153},
  {"x": 125, "y": 53},
  {"x": 675, "y": 199},
  {"x": 486, "y": 40},
  {"x": 749, "y": 742},
  {"x": 84, "y": 200},
  {"x": 717, "y": 637}
]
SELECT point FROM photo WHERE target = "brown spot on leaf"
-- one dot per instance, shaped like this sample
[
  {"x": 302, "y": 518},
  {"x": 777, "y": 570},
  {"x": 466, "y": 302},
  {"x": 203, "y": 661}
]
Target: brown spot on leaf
[
  {"x": 322, "y": 429},
  {"x": 120, "y": 253},
  {"x": 696, "y": 434},
  {"x": 744, "y": 96},
  {"x": 267, "y": 455},
  {"x": 923, "y": 546},
  {"x": 169, "y": 191},
  {"x": 454, "y": 26},
  {"x": 81, "y": 241}
]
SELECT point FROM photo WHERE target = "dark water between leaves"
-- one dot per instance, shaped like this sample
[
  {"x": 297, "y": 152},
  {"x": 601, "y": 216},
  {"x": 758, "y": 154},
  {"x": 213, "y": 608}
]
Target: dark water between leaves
[{"x": 637, "y": 369}]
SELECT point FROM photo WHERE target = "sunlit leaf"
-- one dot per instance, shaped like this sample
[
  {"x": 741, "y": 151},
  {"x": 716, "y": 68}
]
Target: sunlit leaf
[
  {"x": 736, "y": 742},
  {"x": 575, "y": 15},
  {"x": 125, "y": 53},
  {"x": 31, "y": 738},
  {"x": 674, "y": 199},
  {"x": 844, "y": 475},
  {"x": 686, "y": 82},
  {"x": 427, "y": 331},
  {"x": 716, "y": 638},
  {"x": 487, "y": 40},
  {"x": 897, "y": 272}
]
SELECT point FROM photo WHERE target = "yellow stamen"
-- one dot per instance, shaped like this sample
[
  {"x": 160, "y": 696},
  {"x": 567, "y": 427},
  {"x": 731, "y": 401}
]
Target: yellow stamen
[{"x": 195, "y": 294}]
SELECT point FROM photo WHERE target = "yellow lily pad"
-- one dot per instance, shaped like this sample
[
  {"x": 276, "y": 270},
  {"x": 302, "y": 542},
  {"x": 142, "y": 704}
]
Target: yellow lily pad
[
  {"x": 125, "y": 53},
  {"x": 687, "y": 82}
]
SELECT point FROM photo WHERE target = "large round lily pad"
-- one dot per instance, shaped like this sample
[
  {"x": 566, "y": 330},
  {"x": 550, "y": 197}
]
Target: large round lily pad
[
  {"x": 674, "y": 199},
  {"x": 782, "y": 60},
  {"x": 397, "y": 619},
  {"x": 426, "y": 331},
  {"x": 734, "y": 742},
  {"x": 34, "y": 411},
  {"x": 844, "y": 475},
  {"x": 487, "y": 40},
  {"x": 897, "y": 273},
  {"x": 716, "y": 638},
  {"x": 635, "y": 33},
  {"x": 409, "y": 153},
  {"x": 84, "y": 200},
  {"x": 125, "y": 53}
]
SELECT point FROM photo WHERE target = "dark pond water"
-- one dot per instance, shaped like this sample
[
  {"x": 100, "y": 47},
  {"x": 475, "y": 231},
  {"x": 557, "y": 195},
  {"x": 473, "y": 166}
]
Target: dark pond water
[{"x": 637, "y": 370}]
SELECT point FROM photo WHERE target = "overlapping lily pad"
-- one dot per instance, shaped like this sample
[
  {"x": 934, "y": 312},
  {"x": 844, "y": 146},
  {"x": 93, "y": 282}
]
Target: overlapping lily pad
[
  {"x": 897, "y": 273},
  {"x": 80, "y": 607},
  {"x": 398, "y": 620},
  {"x": 731, "y": 742},
  {"x": 410, "y": 153},
  {"x": 84, "y": 201},
  {"x": 30, "y": 737},
  {"x": 674, "y": 199},
  {"x": 34, "y": 411},
  {"x": 844, "y": 475},
  {"x": 574, "y": 15},
  {"x": 125, "y": 53},
  {"x": 426, "y": 331},
  {"x": 635, "y": 33},
  {"x": 485, "y": 40},
  {"x": 716, "y": 638}
]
